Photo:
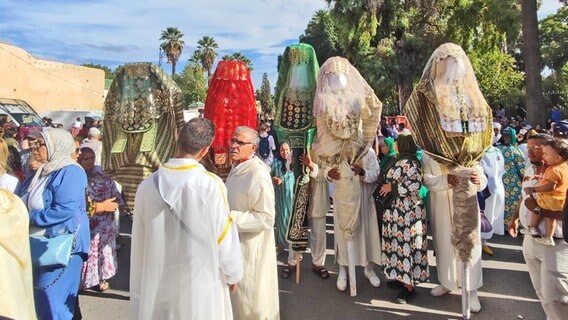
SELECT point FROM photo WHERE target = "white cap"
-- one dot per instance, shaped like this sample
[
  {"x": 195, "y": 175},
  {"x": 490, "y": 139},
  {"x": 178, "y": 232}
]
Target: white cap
[
  {"x": 496, "y": 125},
  {"x": 94, "y": 131}
]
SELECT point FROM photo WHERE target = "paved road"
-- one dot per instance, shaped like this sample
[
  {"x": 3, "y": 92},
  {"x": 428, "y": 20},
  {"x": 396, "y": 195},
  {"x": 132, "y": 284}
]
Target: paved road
[{"x": 507, "y": 292}]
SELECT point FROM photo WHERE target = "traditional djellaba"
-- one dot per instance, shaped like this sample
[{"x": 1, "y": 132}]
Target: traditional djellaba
[
  {"x": 230, "y": 103},
  {"x": 294, "y": 123},
  {"x": 347, "y": 113},
  {"x": 452, "y": 122},
  {"x": 143, "y": 113}
]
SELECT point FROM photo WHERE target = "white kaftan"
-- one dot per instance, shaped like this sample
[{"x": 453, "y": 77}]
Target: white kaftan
[
  {"x": 366, "y": 237},
  {"x": 185, "y": 250},
  {"x": 251, "y": 199},
  {"x": 448, "y": 264},
  {"x": 493, "y": 165}
]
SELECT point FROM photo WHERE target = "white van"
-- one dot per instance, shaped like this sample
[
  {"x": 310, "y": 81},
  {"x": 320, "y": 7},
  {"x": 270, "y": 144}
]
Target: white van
[{"x": 19, "y": 112}]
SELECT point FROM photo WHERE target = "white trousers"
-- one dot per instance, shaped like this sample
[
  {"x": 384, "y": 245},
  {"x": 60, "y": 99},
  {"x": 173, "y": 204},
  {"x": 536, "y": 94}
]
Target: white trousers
[{"x": 548, "y": 269}]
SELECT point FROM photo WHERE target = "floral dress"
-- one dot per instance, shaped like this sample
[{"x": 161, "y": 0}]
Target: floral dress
[
  {"x": 404, "y": 241},
  {"x": 512, "y": 178},
  {"x": 102, "y": 263}
]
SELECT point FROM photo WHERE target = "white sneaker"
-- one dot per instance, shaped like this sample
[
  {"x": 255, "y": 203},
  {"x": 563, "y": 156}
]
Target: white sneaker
[
  {"x": 474, "y": 304},
  {"x": 439, "y": 291},
  {"x": 372, "y": 276},
  {"x": 545, "y": 241},
  {"x": 341, "y": 283}
]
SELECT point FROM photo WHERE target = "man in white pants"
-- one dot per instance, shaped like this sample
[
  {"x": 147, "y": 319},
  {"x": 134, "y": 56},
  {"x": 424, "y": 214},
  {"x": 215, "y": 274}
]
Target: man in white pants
[{"x": 548, "y": 265}]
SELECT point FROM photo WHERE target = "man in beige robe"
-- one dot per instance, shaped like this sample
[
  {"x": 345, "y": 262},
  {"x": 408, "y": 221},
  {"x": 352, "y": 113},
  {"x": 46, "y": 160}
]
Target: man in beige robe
[{"x": 251, "y": 199}]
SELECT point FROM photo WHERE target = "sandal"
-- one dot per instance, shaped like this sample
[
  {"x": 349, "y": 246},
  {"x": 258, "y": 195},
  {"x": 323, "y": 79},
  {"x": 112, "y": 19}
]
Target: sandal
[
  {"x": 321, "y": 271},
  {"x": 285, "y": 274},
  {"x": 104, "y": 286}
]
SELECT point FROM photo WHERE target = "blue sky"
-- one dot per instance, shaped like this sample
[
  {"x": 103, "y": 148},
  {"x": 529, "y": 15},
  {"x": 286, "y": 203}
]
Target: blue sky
[{"x": 111, "y": 32}]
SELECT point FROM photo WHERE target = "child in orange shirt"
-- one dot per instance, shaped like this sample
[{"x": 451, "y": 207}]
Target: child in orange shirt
[{"x": 551, "y": 189}]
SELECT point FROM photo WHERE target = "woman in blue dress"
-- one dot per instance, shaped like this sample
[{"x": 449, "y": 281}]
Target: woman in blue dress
[
  {"x": 283, "y": 180},
  {"x": 55, "y": 197},
  {"x": 514, "y": 171}
]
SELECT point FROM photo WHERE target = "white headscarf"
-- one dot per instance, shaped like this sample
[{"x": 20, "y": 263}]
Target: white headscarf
[{"x": 60, "y": 145}]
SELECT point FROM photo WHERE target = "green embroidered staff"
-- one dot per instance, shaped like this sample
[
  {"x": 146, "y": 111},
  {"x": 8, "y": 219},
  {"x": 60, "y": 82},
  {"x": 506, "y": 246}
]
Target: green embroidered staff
[
  {"x": 452, "y": 122},
  {"x": 294, "y": 122}
]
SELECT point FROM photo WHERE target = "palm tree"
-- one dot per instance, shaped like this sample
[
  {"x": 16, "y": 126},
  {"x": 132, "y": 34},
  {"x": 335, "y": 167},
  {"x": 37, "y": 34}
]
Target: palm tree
[
  {"x": 195, "y": 58},
  {"x": 206, "y": 49},
  {"x": 239, "y": 56},
  {"x": 172, "y": 45}
]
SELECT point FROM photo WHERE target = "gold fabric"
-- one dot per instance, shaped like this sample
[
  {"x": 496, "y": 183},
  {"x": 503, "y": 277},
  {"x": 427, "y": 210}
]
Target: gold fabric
[
  {"x": 452, "y": 123},
  {"x": 143, "y": 113}
]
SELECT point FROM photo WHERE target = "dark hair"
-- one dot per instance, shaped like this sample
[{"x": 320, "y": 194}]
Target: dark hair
[
  {"x": 401, "y": 125},
  {"x": 385, "y": 132},
  {"x": 541, "y": 136},
  {"x": 559, "y": 145},
  {"x": 14, "y": 159},
  {"x": 195, "y": 135}
]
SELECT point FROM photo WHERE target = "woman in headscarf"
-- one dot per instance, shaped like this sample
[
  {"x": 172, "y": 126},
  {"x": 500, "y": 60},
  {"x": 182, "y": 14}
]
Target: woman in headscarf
[
  {"x": 283, "y": 180},
  {"x": 388, "y": 160},
  {"x": 55, "y": 197},
  {"x": 405, "y": 258},
  {"x": 104, "y": 198},
  {"x": 16, "y": 291},
  {"x": 514, "y": 171}
]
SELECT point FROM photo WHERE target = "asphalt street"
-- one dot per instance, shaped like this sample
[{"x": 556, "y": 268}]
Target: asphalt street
[{"x": 507, "y": 292}]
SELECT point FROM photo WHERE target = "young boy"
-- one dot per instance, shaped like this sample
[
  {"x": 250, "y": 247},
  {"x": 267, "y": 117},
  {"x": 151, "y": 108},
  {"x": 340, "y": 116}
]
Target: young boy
[{"x": 551, "y": 189}]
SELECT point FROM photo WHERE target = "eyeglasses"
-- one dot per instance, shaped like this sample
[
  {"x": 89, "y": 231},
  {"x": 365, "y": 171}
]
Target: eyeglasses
[
  {"x": 238, "y": 142},
  {"x": 535, "y": 148},
  {"x": 36, "y": 145}
]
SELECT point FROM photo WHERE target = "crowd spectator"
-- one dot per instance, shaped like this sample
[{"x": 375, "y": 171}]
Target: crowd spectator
[
  {"x": 55, "y": 197},
  {"x": 514, "y": 168}
]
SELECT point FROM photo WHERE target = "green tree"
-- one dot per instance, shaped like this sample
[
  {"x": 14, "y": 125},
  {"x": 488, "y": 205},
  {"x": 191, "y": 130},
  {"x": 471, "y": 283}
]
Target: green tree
[
  {"x": 108, "y": 72},
  {"x": 553, "y": 39},
  {"x": 172, "y": 45},
  {"x": 497, "y": 76},
  {"x": 192, "y": 83},
  {"x": 322, "y": 35},
  {"x": 206, "y": 51},
  {"x": 239, "y": 56},
  {"x": 265, "y": 96},
  {"x": 532, "y": 60}
]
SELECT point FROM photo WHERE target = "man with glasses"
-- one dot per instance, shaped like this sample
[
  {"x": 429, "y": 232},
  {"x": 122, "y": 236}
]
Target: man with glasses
[
  {"x": 251, "y": 199},
  {"x": 547, "y": 265}
]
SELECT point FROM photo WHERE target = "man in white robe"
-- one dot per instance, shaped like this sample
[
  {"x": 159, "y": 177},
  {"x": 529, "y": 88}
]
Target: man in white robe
[
  {"x": 185, "y": 248},
  {"x": 319, "y": 206},
  {"x": 439, "y": 182},
  {"x": 366, "y": 237},
  {"x": 493, "y": 164},
  {"x": 251, "y": 199}
]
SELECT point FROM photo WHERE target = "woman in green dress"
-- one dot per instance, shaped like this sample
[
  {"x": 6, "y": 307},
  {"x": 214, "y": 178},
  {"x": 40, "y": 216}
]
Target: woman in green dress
[
  {"x": 514, "y": 172},
  {"x": 283, "y": 179}
]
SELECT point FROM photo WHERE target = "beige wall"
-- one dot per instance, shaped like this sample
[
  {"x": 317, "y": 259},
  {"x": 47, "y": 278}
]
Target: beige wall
[{"x": 49, "y": 85}]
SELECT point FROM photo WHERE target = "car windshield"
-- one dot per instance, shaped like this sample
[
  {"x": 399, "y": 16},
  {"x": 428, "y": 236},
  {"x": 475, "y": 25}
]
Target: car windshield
[{"x": 27, "y": 119}]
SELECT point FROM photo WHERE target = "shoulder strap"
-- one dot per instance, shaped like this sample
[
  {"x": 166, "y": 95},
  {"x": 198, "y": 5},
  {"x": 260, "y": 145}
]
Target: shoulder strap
[{"x": 169, "y": 207}]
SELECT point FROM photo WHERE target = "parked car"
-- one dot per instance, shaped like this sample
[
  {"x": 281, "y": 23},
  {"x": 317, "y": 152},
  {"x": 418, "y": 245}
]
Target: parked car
[{"x": 17, "y": 113}]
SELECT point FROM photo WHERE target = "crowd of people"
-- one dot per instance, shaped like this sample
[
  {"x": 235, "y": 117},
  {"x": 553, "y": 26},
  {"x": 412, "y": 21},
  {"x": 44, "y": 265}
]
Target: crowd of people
[
  {"x": 208, "y": 248},
  {"x": 60, "y": 191}
]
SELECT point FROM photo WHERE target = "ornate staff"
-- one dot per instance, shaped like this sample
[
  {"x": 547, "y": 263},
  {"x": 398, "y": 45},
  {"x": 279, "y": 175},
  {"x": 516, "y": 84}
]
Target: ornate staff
[
  {"x": 294, "y": 122},
  {"x": 452, "y": 122}
]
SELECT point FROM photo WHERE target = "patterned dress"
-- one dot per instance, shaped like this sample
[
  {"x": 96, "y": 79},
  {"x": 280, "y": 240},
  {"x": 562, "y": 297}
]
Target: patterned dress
[
  {"x": 101, "y": 264},
  {"x": 512, "y": 178},
  {"x": 284, "y": 194},
  {"x": 404, "y": 242}
]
